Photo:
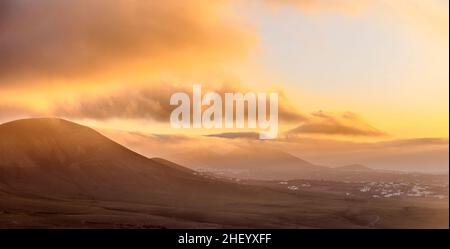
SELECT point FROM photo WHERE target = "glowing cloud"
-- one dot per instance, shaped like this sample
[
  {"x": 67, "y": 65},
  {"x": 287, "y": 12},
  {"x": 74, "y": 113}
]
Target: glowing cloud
[
  {"x": 76, "y": 38},
  {"x": 347, "y": 124}
]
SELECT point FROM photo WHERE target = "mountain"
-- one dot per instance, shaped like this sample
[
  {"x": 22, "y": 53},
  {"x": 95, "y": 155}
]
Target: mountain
[
  {"x": 60, "y": 158},
  {"x": 258, "y": 163},
  {"x": 55, "y": 173},
  {"x": 224, "y": 157},
  {"x": 354, "y": 167}
]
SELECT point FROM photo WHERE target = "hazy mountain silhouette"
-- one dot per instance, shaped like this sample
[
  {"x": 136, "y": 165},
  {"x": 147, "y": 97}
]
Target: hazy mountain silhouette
[
  {"x": 354, "y": 167},
  {"x": 257, "y": 163},
  {"x": 427, "y": 155}
]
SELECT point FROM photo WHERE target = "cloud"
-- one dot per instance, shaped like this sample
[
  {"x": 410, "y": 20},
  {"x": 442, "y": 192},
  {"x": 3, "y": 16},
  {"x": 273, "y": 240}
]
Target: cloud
[
  {"x": 77, "y": 38},
  {"x": 146, "y": 103},
  {"x": 347, "y": 124},
  {"x": 427, "y": 16},
  {"x": 152, "y": 103},
  {"x": 149, "y": 103},
  {"x": 10, "y": 111},
  {"x": 233, "y": 135},
  {"x": 321, "y": 123},
  {"x": 315, "y": 6},
  {"x": 414, "y": 142}
]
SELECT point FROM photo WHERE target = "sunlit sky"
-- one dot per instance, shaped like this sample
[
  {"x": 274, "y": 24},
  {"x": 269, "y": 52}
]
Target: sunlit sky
[
  {"x": 389, "y": 64},
  {"x": 384, "y": 61}
]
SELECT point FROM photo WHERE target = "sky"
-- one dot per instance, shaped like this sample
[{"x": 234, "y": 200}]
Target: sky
[{"x": 352, "y": 70}]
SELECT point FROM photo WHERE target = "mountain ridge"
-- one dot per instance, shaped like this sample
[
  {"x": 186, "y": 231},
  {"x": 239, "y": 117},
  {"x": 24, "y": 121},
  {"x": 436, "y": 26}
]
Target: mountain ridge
[{"x": 58, "y": 157}]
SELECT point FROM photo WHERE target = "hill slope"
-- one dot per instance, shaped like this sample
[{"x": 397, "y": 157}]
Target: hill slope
[{"x": 57, "y": 157}]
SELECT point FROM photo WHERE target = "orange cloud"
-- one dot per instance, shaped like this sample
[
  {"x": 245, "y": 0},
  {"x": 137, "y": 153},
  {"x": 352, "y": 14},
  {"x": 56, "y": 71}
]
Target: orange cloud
[
  {"x": 77, "y": 38},
  {"x": 9, "y": 111},
  {"x": 347, "y": 124},
  {"x": 314, "y": 6},
  {"x": 149, "y": 103},
  {"x": 236, "y": 135},
  {"x": 428, "y": 16}
]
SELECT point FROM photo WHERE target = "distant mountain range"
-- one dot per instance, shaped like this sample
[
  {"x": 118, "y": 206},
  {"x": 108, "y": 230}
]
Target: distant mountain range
[
  {"x": 243, "y": 155},
  {"x": 354, "y": 167}
]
